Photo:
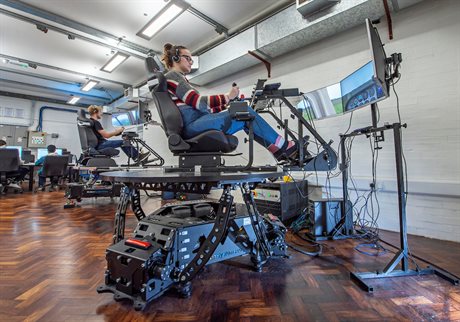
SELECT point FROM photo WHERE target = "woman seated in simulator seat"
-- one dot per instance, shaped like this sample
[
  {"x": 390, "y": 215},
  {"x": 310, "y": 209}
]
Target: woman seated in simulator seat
[
  {"x": 201, "y": 113},
  {"x": 102, "y": 135}
]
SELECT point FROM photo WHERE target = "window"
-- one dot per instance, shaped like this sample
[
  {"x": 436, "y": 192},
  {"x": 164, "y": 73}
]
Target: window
[
  {"x": 121, "y": 119},
  {"x": 135, "y": 116}
]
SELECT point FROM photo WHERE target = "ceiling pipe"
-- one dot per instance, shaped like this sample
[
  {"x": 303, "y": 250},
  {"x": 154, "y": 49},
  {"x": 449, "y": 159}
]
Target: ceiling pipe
[
  {"x": 70, "y": 34},
  {"x": 65, "y": 70},
  {"x": 262, "y": 15},
  {"x": 390, "y": 23},
  {"x": 38, "y": 98},
  {"x": 58, "y": 90},
  {"x": 50, "y": 16}
]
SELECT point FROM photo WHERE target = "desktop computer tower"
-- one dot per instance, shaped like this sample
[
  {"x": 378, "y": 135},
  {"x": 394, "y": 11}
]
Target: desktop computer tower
[
  {"x": 285, "y": 200},
  {"x": 328, "y": 221}
]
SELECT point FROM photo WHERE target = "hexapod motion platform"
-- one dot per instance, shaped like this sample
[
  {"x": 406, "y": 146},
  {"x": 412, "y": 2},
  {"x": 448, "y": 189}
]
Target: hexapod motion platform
[{"x": 170, "y": 246}]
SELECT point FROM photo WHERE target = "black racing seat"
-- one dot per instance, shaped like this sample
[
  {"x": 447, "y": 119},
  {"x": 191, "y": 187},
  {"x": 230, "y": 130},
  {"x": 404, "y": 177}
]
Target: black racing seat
[
  {"x": 212, "y": 141},
  {"x": 88, "y": 139},
  {"x": 101, "y": 163}
]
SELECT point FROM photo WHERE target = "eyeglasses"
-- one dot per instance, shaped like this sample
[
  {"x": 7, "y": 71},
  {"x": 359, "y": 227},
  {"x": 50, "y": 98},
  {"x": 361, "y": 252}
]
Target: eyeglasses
[{"x": 188, "y": 58}]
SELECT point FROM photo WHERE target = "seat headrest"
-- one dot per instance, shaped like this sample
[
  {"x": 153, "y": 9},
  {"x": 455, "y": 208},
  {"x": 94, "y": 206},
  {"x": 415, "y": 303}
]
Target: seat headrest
[
  {"x": 82, "y": 120},
  {"x": 81, "y": 117},
  {"x": 162, "y": 86},
  {"x": 81, "y": 114},
  {"x": 153, "y": 64}
]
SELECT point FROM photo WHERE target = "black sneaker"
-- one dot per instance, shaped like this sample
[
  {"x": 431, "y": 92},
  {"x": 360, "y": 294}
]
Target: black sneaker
[
  {"x": 292, "y": 153},
  {"x": 142, "y": 158},
  {"x": 287, "y": 154}
]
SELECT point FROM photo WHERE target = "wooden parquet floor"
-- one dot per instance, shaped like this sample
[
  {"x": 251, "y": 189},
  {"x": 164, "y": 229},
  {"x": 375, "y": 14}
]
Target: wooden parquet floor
[{"x": 52, "y": 260}]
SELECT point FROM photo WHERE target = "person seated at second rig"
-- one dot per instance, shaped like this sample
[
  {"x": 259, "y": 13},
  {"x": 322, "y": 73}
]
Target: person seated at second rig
[
  {"x": 202, "y": 113},
  {"x": 102, "y": 135}
]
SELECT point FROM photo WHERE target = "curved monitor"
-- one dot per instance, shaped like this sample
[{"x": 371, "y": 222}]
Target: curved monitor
[
  {"x": 322, "y": 103},
  {"x": 361, "y": 88}
]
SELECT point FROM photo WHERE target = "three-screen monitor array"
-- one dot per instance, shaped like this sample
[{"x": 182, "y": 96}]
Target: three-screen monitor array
[
  {"x": 40, "y": 152},
  {"x": 359, "y": 89}
]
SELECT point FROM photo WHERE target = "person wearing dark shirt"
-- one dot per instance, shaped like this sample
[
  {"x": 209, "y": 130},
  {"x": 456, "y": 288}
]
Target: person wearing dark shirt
[
  {"x": 102, "y": 135},
  {"x": 208, "y": 112},
  {"x": 42, "y": 179}
]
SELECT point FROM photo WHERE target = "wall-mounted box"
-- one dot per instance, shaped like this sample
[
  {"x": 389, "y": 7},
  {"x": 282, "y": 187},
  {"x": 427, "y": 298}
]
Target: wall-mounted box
[{"x": 36, "y": 139}]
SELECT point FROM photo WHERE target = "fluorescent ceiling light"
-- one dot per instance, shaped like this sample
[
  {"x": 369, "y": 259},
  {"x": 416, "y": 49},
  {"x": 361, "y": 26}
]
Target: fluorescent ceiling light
[
  {"x": 89, "y": 85},
  {"x": 160, "y": 20},
  {"x": 73, "y": 100},
  {"x": 114, "y": 62}
]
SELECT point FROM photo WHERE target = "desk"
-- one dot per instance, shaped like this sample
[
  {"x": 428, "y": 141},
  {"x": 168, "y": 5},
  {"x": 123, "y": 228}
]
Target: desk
[{"x": 31, "y": 167}]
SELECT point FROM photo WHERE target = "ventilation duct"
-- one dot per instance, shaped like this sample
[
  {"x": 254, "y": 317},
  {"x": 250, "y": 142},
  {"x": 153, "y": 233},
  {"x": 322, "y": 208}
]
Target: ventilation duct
[{"x": 285, "y": 32}]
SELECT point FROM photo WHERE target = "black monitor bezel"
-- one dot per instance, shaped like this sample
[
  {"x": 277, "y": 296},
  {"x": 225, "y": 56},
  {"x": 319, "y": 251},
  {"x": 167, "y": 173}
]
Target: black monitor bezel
[{"x": 373, "y": 34}]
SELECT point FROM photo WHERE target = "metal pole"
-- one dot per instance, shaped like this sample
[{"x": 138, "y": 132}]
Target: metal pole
[
  {"x": 344, "y": 170},
  {"x": 300, "y": 141},
  {"x": 401, "y": 195}
]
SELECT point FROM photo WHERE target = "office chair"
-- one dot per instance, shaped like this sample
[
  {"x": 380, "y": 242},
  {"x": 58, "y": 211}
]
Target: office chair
[
  {"x": 9, "y": 167},
  {"x": 55, "y": 167}
]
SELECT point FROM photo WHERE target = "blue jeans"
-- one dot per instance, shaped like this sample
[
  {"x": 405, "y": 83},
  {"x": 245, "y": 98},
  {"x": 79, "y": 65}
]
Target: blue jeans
[
  {"x": 130, "y": 151},
  {"x": 264, "y": 134}
]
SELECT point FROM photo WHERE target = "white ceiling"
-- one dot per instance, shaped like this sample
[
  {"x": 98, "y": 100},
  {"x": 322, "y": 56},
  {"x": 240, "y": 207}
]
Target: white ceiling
[{"x": 76, "y": 60}]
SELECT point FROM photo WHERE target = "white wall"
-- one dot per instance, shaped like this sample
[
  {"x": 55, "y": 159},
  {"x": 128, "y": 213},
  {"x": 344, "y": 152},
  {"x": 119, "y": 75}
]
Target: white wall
[
  {"x": 427, "y": 35},
  {"x": 62, "y": 123}
]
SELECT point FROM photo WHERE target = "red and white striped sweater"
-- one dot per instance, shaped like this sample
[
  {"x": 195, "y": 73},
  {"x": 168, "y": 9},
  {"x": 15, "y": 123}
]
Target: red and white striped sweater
[{"x": 182, "y": 93}]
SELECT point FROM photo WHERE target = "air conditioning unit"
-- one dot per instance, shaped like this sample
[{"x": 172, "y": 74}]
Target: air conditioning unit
[{"x": 309, "y": 7}]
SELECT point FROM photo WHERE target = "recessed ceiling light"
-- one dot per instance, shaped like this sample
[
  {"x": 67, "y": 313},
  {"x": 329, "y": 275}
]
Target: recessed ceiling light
[
  {"x": 73, "y": 100},
  {"x": 89, "y": 85},
  {"x": 160, "y": 20},
  {"x": 114, "y": 62}
]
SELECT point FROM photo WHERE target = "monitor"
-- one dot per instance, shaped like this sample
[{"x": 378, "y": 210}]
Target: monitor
[
  {"x": 361, "y": 88},
  {"x": 26, "y": 156},
  {"x": 17, "y": 147},
  {"x": 322, "y": 103},
  {"x": 378, "y": 56},
  {"x": 44, "y": 152}
]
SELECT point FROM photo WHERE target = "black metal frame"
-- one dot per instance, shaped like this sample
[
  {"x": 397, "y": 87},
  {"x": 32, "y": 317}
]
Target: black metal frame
[
  {"x": 130, "y": 194},
  {"x": 324, "y": 161},
  {"x": 402, "y": 255},
  {"x": 158, "y": 161}
]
